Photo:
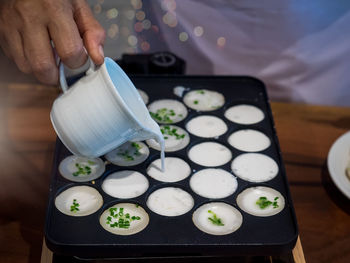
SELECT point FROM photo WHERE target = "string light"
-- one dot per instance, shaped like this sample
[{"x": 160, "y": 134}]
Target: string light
[
  {"x": 221, "y": 41},
  {"x": 183, "y": 36},
  {"x": 198, "y": 31},
  {"x": 112, "y": 13}
]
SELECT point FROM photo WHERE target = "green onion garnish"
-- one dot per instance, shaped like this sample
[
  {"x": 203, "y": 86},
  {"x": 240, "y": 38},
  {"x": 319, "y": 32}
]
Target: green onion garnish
[
  {"x": 119, "y": 219},
  {"x": 263, "y": 202},
  {"x": 167, "y": 130},
  {"x": 74, "y": 207},
  {"x": 214, "y": 219},
  {"x": 82, "y": 170}
]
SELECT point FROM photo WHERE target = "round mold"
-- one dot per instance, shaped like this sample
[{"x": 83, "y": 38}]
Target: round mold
[
  {"x": 167, "y": 111},
  {"x": 170, "y": 201},
  {"x": 254, "y": 167},
  {"x": 176, "y": 170},
  {"x": 209, "y": 154},
  {"x": 138, "y": 219},
  {"x": 125, "y": 184},
  {"x": 204, "y": 100},
  {"x": 244, "y": 114},
  {"x": 249, "y": 140},
  {"x": 128, "y": 154},
  {"x": 272, "y": 201},
  {"x": 213, "y": 183},
  {"x": 79, "y": 201},
  {"x": 81, "y": 169},
  {"x": 206, "y": 126},
  {"x": 225, "y": 219}
]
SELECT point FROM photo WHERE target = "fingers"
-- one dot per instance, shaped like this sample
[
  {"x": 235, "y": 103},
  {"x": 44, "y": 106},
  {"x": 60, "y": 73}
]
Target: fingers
[
  {"x": 39, "y": 52},
  {"x": 91, "y": 31},
  {"x": 17, "y": 52},
  {"x": 67, "y": 40}
]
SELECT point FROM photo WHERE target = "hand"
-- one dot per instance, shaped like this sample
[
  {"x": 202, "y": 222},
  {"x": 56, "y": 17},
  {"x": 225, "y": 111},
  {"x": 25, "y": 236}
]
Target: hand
[{"x": 27, "y": 28}]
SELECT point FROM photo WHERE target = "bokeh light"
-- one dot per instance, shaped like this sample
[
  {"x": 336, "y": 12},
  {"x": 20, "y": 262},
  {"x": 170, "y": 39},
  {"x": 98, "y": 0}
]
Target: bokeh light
[
  {"x": 130, "y": 14},
  {"x": 132, "y": 40},
  {"x": 146, "y": 24},
  {"x": 145, "y": 46},
  {"x": 138, "y": 27},
  {"x": 183, "y": 36},
  {"x": 198, "y": 31},
  {"x": 155, "y": 28},
  {"x": 140, "y": 15},
  {"x": 112, "y": 13},
  {"x": 170, "y": 19},
  {"x": 137, "y": 4},
  {"x": 221, "y": 41},
  {"x": 113, "y": 31},
  {"x": 168, "y": 5}
]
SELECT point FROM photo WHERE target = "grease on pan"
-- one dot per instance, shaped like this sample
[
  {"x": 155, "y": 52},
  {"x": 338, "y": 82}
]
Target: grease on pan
[
  {"x": 248, "y": 140},
  {"x": 213, "y": 183},
  {"x": 125, "y": 184},
  {"x": 128, "y": 154},
  {"x": 254, "y": 167},
  {"x": 175, "y": 138},
  {"x": 229, "y": 218},
  {"x": 176, "y": 170},
  {"x": 79, "y": 201},
  {"x": 81, "y": 169},
  {"x": 170, "y": 201},
  {"x": 244, "y": 114},
  {"x": 204, "y": 100},
  {"x": 206, "y": 126},
  {"x": 209, "y": 154},
  {"x": 249, "y": 200},
  {"x": 167, "y": 111}
]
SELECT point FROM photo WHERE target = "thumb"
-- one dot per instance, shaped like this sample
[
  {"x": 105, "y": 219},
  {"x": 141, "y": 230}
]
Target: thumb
[{"x": 90, "y": 30}]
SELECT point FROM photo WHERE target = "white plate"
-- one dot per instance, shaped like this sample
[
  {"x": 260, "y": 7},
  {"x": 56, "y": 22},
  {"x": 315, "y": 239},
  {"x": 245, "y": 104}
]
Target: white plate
[{"x": 338, "y": 159}]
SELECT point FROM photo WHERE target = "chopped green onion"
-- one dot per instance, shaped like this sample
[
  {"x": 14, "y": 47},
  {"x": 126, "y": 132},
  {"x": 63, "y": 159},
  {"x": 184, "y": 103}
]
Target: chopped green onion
[
  {"x": 214, "y": 219},
  {"x": 82, "y": 170},
  {"x": 166, "y": 130},
  {"x": 195, "y": 101},
  {"x": 263, "y": 202},
  {"x": 74, "y": 207},
  {"x": 121, "y": 220},
  {"x": 200, "y": 91}
]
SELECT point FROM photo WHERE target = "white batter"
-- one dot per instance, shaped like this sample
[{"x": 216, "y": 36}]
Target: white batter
[
  {"x": 204, "y": 100},
  {"x": 210, "y": 154},
  {"x": 135, "y": 225},
  {"x": 206, "y": 126},
  {"x": 143, "y": 95},
  {"x": 168, "y": 111},
  {"x": 254, "y": 167},
  {"x": 125, "y": 184},
  {"x": 249, "y": 140},
  {"x": 247, "y": 199},
  {"x": 174, "y": 141},
  {"x": 244, "y": 114},
  {"x": 213, "y": 183},
  {"x": 81, "y": 169},
  {"x": 87, "y": 198},
  {"x": 176, "y": 170},
  {"x": 170, "y": 201},
  {"x": 128, "y": 154},
  {"x": 230, "y": 217}
]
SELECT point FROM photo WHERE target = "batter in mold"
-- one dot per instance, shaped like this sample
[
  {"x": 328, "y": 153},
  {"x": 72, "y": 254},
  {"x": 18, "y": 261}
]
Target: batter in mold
[
  {"x": 261, "y": 201},
  {"x": 210, "y": 154},
  {"x": 176, "y": 170},
  {"x": 79, "y": 201},
  {"x": 244, "y": 114},
  {"x": 167, "y": 111},
  {"x": 206, "y": 126},
  {"x": 125, "y": 184},
  {"x": 170, "y": 201},
  {"x": 254, "y": 167},
  {"x": 217, "y": 218},
  {"x": 248, "y": 140},
  {"x": 204, "y": 100}
]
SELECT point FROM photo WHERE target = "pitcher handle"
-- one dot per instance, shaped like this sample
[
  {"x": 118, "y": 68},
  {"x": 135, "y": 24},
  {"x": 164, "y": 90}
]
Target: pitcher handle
[{"x": 62, "y": 78}]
